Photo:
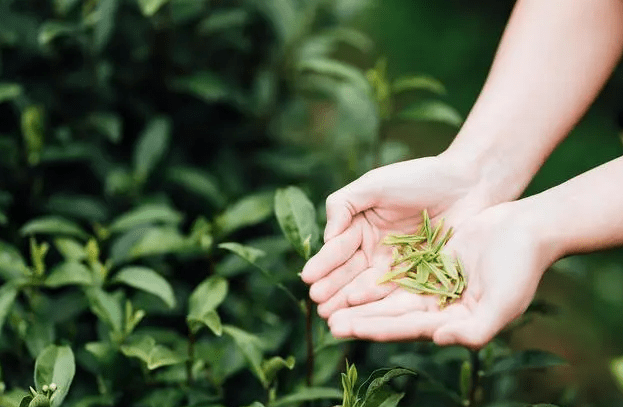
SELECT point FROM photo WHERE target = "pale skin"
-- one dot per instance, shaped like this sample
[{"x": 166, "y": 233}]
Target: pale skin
[{"x": 553, "y": 59}]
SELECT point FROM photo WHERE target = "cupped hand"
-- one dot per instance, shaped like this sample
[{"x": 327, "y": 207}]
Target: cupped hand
[
  {"x": 503, "y": 258},
  {"x": 386, "y": 200}
]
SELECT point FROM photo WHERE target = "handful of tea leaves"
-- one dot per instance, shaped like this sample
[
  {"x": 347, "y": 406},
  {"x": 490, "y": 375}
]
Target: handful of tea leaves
[{"x": 419, "y": 265}]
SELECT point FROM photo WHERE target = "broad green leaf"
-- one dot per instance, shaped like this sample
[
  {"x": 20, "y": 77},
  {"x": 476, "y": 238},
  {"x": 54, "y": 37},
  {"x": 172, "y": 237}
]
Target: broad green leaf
[
  {"x": 12, "y": 264},
  {"x": 163, "y": 356},
  {"x": 8, "y": 293},
  {"x": 197, "y": 182},
  {"x": 150, "y": 7},
  {"x": 52, "y": 225},
  {"x": 336, "y": 69},
  {"x": 205, "y": 85},
  {"x": 251, "y": 347},
  {"x": 273, "y": 365},
  {"x": 39, "y": 334},
  {"x": 273, "y": 246},
  {"x": 379, "y": 382},
  {"x": 284, "y": 17},
  {"x": 144, "y": 347},
  {"x": 158, "y": 241},
  {"x": 70, "y": 249},
  {"x": 204, "y": 300},
  {"x": 26, "y": 401},
  {"x": 432, "y": 110},
  {"x": 56, "y": 364},
  {"x": 151, "y": 147},
  {"x": 164, "y": 397},
  {"x": 421, "y": 82},
  {"x": 3, "y": 218},
  {"x": 527, "y": 359},
  {"x": 248, "y": 253},
  {"x": 308, "y": 394},
  {"x": 13, "y": 397},
  {"x": 138, "y": 346},
  {"x": 33, "y": 132},
  {"x": 9, "y": 91},
  {"x": 104, "y": 23},
  {"x": 148, "y": 280},
  {"x": 391, "y": 400},
  {"x": 297, "y": 218},
  {"x": 51, "y": 30},
  {"x": 106, "y": 307},
  {"x": 69, "y": 273},
  {"x": 146, "y": 214},
  {"x": 248, "y": 211}
]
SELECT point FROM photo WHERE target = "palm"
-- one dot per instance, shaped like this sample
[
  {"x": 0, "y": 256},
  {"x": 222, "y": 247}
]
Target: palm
[
  {"x": 503, "y": 271},
  {"x": 387, "y": 200}
]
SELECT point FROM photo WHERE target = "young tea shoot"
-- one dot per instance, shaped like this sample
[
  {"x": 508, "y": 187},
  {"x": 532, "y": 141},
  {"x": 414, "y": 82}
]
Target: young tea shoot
[{"x": 419, "y": 266}]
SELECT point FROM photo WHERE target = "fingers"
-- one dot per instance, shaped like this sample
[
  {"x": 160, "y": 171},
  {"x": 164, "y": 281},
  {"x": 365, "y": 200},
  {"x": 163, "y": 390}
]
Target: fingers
[
  {"x": 363, "y": 288},
  {"x": 326, "y": 287},
  {"x": 345, "y": 203},
  {"x": 413, "y": 325},
  {"x": 334, "y": 253}
]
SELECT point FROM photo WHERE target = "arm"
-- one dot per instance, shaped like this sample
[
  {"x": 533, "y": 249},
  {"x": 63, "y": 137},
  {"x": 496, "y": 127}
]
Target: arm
[{"x": 553, "y": 59}]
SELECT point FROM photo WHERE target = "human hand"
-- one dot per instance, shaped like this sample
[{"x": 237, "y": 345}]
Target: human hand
[
  {"x": 386, "y": 200},
  {"x": 504, "y": 259}
]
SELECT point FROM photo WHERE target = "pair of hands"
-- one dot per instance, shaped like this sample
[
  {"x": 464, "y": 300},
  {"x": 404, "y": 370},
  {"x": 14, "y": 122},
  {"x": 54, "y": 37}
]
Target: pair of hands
[{"x": 500, "y": 253}]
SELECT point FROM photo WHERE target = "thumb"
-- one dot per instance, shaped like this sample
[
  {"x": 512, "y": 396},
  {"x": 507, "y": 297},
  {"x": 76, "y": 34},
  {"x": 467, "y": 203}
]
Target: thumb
[{"x": 345, "y": 203}]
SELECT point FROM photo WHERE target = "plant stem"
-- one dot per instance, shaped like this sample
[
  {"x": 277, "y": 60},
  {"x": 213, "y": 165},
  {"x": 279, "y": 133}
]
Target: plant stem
[
  {"x": 310, "y": 343},
  {"x": 191, "y": 357},
  {"x": 474, "y": 400}
]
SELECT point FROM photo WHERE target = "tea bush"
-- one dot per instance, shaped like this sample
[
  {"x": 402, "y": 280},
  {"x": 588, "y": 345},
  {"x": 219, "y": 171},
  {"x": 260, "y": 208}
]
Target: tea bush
[{"x": 156, "y": 159}]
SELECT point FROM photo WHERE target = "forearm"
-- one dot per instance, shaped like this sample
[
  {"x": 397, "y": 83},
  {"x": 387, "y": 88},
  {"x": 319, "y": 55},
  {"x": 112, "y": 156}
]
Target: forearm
[
  {"x": 583, "y": 214},
  {"x": 553, "y": 59}
]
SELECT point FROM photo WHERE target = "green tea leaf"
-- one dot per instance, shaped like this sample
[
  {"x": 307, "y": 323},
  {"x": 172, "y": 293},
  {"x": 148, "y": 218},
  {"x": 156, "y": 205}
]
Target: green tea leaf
[
  {"x": 273, "y": 365},
  {"x": 308, "y": 394},
  {"x": 148, "y": 280},
  {"x": 205, "y": 85},
  {"x": 297, "y": 218},
  {"x": 104, "y": 23},
  {"x": 158, "y": 241},
  {"x": 376, "y": 384},
  {"x": 108, "y": 124},
  {"x": 338, "y": 70},
  {"x": 70, "y": 249},
  {"x": 144, "y": 215},
  {"x": 248, "y": 253},
  {"x": 69, "y": 273},
  {"x": 391, "y": 400},
  {"x": 421, "y": 82},
  {"x": 151, "y": 147},
  {"x": 8, "y": 293},
  {"x": 197, "y": 182},
  {"x": 9, "y": 91},
  {"x": 51, "y": 30},
  {"x": 527, "y": 359},
  {"x": 12, "y": 264},
  {"x": 434, "y": 111},
  {"x": 106, "y": 307},
  {"x": 616, "y": 368},
  {"x": 203, "y": 302},
  {"x": 144, "y": 347},
  {"x": 248, "y": 211},
  {"x": 251, "y": 347},
  {"x": 150, "y": 7},
  {"x": 56, "y": 364},
  {"x": 52, "y": 225}
]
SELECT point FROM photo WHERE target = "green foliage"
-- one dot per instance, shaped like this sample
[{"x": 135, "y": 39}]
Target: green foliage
[{"x": 148, "y": 152}]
